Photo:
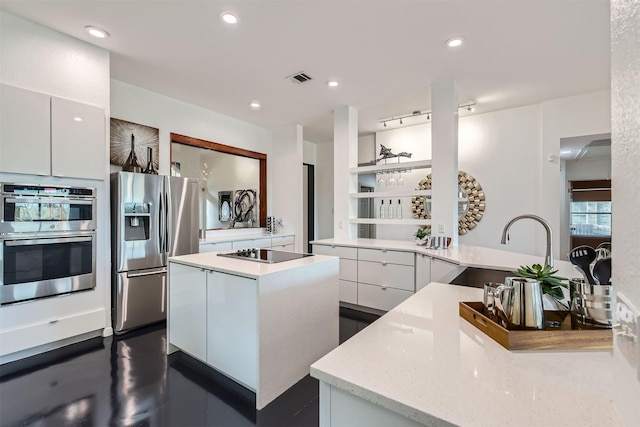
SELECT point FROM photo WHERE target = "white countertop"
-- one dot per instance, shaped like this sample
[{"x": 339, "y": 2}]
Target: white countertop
[
  {"x": 464, "y": 255},
  {"x": 243, "y": 267},
  {"x": 422, "y": 360}
]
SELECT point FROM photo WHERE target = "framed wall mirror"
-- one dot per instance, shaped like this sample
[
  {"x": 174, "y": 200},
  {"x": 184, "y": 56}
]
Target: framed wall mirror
[{"x": 233, "y": 181}]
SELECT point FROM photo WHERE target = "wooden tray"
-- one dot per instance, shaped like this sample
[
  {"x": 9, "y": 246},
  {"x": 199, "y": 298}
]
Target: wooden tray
[{"x": 562, "y": 338}]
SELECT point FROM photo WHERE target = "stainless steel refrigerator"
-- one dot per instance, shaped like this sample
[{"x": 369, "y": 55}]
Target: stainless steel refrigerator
[{"x": 153, "y": 217}]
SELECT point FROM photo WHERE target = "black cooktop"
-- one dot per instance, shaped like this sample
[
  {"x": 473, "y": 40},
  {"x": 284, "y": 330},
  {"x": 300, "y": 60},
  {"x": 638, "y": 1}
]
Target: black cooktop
[{"x": 268, "y": 256}]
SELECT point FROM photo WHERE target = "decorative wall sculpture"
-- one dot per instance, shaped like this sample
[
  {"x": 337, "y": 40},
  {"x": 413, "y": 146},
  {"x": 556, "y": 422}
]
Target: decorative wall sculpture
[{"x": 471, "y": 202}]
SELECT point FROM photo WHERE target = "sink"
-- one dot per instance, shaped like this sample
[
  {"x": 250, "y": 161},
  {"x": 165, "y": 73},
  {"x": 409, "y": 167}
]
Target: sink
[{"x": 477, "y": 277}]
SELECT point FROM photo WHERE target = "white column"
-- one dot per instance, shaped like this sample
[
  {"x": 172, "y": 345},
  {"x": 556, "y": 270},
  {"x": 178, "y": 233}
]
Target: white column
[
  {"x": 444, "y": 155},
  {"x": 285, "y": 163},
  {"x": 625, "y": 195},
  {"x": 345, "y": 156}
]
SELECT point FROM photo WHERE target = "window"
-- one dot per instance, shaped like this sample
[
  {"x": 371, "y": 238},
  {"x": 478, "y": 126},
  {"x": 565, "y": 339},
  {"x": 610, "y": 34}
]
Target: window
[{"x": 591, "y": 218}]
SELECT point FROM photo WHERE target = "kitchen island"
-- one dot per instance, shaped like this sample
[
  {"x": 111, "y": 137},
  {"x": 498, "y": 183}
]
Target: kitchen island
[
  {"x": 422, "y": 364},
  {"x": 260, "y": 324}
]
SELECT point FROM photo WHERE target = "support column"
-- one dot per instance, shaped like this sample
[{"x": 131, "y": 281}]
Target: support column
[
  {"x": 286, "y": 181},
  {"x": 345, "y": 156},
  {"x": 444, "y": 155}
]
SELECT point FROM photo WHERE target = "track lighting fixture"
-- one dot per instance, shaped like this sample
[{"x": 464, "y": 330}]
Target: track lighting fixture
[{"x": 468, "y": 107}]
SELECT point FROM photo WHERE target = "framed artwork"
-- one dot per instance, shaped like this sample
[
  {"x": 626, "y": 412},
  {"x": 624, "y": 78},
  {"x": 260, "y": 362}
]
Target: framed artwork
[
  {"x": 244, "y": 206},
  {"x": 225, "y": 208},
  {"x": 128, "y": 138}
]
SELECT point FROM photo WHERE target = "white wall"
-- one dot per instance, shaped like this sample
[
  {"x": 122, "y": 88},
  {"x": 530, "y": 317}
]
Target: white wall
[
  {"x": 42, "y": 60},
  {"x": 625, "y": 157},
  {"x": 508, "y": 153},
  {"x": 324, "y": 191}
]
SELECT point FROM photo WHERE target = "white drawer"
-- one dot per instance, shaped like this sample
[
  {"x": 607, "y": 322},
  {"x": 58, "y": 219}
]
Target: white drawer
[
  {"x": 286, "y": 248},
  {"x": 380, "y": 298},
  {"x": 252, "y": 243},
  {"x": 348, "y": 291},
  {"x": 349, "y": 269},
  {"x": 339, "y": 251},
  {"x": 283, "y": 240},
  {"x": 56, "y": 329},
  {"x": 215, "y": 247},
  {"x": 391, "y": 275},
  {"x": 383, "y": 255}
]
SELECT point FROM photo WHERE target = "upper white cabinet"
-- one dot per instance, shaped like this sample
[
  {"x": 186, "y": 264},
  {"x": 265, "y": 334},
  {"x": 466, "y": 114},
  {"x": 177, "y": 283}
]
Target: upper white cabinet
[
  {"x": 77, "y": 140},
  {"x": 25, "y": 131},
  {"x": 43, "y": 135}
]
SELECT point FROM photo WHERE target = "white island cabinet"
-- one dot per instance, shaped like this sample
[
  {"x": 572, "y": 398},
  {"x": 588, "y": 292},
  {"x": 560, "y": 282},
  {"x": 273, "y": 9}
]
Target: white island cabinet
[
  {"x": 422, "y": 364},
  {"x": 262, "y": 325}
]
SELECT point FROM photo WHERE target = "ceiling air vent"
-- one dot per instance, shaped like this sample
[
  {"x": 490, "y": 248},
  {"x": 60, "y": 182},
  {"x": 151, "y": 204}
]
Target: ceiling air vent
[
  {"x": 595, "y": 149},
  {"x": 299, "y": 78}
]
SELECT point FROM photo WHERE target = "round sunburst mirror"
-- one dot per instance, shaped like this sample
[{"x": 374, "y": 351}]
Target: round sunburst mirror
[{"x": 471, "y": 202}]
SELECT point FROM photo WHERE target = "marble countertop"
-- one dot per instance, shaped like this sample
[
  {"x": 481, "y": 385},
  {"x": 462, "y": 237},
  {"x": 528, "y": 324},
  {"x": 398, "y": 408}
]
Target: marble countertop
[
  {"x": 243, "y": 267},
  {"x": 422, "y": 360},
  {"x": 464, "y": 255}
]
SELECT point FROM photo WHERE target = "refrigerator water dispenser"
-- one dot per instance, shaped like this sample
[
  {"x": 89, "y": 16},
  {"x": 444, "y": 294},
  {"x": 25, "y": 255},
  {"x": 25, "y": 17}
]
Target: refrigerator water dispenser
[{"x": 136, "y": 224}]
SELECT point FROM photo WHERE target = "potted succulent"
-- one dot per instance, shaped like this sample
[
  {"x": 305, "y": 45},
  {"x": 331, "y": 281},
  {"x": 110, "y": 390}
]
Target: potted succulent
[
  {"x": 552, "y": 285},
  {"x": 421, "y": 236}
]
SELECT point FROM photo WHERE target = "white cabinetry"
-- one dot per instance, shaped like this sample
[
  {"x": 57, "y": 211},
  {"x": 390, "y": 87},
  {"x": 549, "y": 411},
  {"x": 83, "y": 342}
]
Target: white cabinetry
[
  {"x": 232, "y": 342},
  {"x": 423, "y": 270},
  {"x": 188, "y": 309},
  {"x": 348, "y": 279},
  {"x": 215, "y": 247},
  {"x": 376, "y": 278},
  {"x": 25, "y": 131},
  {"x": 283, "y": 243},
  {"x": 443, "y": 271},
  {"x": 385, "y": 278},
  {"x": 43, "y": 135},
  {"x": 252, "y": 243}
]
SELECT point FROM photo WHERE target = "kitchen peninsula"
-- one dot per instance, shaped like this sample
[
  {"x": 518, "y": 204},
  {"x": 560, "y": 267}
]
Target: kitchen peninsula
[
  {"x": 422, "y": 364},
  {"x": 260, "y": 324}
]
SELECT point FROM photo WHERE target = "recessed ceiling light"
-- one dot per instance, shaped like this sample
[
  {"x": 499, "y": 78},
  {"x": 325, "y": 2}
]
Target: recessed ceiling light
[
  {"x": 565, "y": 152},
  {"x": 77, "y": 119},
  {"x": 229, "y": 17},
  {"x": 96, "y": 32},
  {"x": 455, "y": 41},
  {"x": 255, "y": 105},
  {"x": 332, "y": 83}
]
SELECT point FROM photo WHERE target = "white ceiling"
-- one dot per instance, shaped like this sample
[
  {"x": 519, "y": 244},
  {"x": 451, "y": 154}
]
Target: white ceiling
[{"x": 384, "y": 53}]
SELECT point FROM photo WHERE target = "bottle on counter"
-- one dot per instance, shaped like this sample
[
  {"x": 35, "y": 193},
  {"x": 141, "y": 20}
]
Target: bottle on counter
[
  {"x": 382, "y": 209},
  {"x": 399, "y": 210},
  {"x": 390, "y": 210}
]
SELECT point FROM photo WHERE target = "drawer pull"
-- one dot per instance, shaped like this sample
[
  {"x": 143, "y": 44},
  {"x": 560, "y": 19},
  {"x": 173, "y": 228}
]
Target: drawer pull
[
  {"x": 52, "y": 322},
  {"x": 333, "y": 246},
  {"x": 384, "y": 251},
  {"x": 384, "y": 288},
  {"x": 384, "y": 262}
]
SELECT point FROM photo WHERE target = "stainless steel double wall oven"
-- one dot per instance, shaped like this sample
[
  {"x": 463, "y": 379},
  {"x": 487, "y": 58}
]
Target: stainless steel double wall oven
[{"x": 47, "y": 241}]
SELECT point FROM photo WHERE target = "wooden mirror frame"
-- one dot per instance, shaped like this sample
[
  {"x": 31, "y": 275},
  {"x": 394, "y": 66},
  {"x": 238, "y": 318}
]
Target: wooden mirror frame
[{"x": 261, "y": 157}]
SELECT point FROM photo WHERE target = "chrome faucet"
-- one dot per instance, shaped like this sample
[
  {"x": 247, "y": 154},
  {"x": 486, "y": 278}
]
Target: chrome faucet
[{"x": 548, "y": 258}]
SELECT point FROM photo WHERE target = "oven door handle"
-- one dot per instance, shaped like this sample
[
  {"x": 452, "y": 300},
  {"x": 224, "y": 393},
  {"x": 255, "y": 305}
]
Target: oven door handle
[
  {"x": 50, "y": 241},
  {"x": 49, "y": 200}
]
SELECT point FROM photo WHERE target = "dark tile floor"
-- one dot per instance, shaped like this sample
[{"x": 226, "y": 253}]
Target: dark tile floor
[{"x": 129, "y": 381}]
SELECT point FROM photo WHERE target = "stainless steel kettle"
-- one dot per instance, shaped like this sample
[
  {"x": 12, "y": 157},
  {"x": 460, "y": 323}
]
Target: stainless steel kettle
[{"x": 519, "y": 303}]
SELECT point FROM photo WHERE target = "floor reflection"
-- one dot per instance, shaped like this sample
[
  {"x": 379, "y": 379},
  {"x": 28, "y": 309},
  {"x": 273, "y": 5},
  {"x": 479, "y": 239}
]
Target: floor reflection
[{"x": 129, "y": 381}]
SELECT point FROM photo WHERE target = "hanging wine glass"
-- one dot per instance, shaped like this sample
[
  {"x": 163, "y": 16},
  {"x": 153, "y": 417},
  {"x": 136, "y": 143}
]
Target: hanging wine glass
[
  {"x": 390, "y": 179},
  {"x": 380, "y": 179},
  {"x": 400, "y": 179}
]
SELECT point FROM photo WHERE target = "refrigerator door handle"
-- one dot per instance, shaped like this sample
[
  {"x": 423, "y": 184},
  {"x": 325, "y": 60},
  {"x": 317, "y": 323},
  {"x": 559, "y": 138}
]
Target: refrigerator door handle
[
  {"x": 147, "y": 273},
  {"x": 161, "y": 225},
  {"x": 168, "y": 223}
]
